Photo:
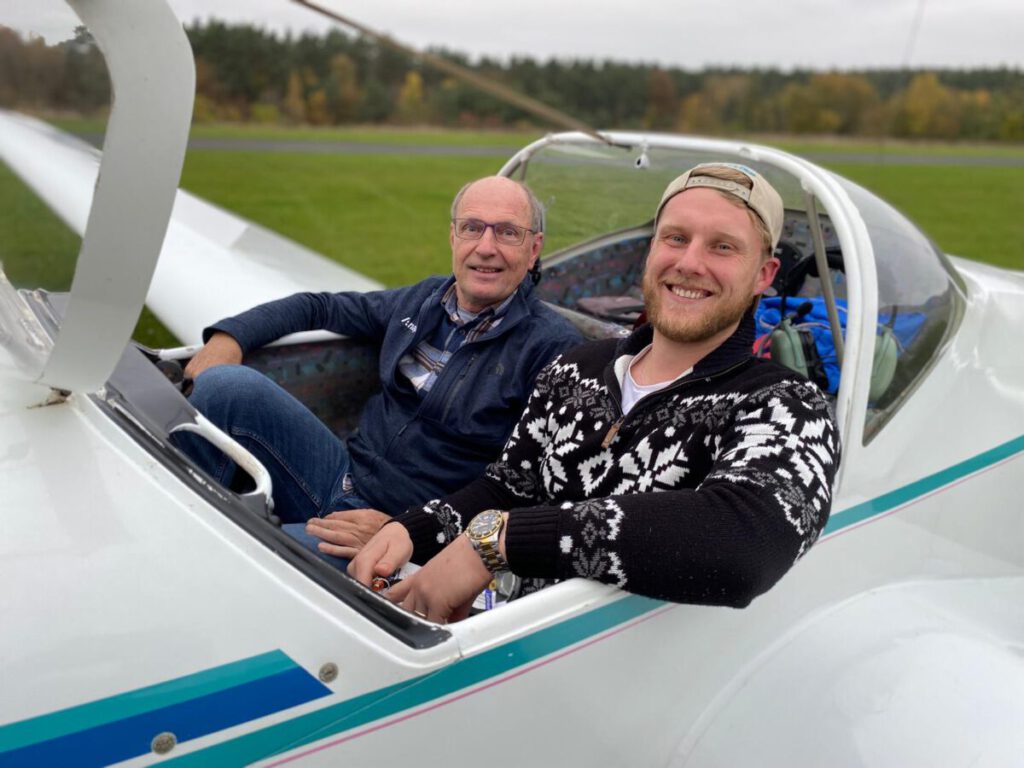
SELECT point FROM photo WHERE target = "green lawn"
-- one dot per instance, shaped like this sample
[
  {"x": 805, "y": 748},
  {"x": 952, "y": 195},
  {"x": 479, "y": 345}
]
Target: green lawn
[
  {"x": 365, "y": 134},
  {"x": 969, "y": 211},
  {"x": 874, "y": 151},
  {"x": 36, "y": 248},
  {"x": 383, "y": 215},
  {"x": 871, "y": 149},
  {"x": 386, "y": 215}
]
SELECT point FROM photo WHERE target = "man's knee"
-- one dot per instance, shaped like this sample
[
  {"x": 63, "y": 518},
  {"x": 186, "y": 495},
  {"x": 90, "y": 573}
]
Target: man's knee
[{"x": 223, "y": 385}]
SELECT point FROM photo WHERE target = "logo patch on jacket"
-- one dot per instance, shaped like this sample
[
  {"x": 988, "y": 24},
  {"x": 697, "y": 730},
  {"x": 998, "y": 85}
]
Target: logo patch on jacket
[{"x": 409, "y": 324}]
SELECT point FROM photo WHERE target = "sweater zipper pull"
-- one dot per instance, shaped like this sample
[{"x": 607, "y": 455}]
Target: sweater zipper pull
[{"x": 612, "y": 432}]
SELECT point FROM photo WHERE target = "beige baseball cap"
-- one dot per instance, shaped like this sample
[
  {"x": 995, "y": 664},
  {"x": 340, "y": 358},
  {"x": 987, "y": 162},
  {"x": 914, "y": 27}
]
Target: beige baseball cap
[{"x": 761, "y": 198}]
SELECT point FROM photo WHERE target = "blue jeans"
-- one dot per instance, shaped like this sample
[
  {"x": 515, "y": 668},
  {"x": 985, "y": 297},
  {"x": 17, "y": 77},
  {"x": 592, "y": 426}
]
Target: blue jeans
[
  {"x": 298, "y": 532},
  {"x": 308, "y": 464}
]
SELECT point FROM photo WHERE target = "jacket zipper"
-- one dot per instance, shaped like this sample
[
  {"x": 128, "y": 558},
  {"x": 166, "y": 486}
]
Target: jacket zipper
[
  {"x": 613, "y": 430},
  {"x": 458, "y": 384},
  {"x": 506, "y": 324}
]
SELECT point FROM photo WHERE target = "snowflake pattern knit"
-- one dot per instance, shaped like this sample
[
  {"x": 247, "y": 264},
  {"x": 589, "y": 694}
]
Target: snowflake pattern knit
[{"x": 707, "y": 492}]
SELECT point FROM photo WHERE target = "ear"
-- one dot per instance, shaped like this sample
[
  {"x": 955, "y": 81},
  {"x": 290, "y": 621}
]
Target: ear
[
  {"x": 535, "y": 249},
  {"x": 451, "y": 236},
  {"x": 766, "y": 275}
]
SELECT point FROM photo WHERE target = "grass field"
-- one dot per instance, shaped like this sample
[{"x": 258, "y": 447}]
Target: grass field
[
  {"x": 970, "y": 211},
  {"x": 516, "y": 139},
  {"x": 366, "y": 134},
  {"x": 875, "y": 151},
  {"x": 386, "y": 215}
]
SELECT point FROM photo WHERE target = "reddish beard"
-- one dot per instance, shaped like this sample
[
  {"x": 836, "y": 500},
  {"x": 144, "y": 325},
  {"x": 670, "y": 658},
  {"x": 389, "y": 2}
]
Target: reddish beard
[{"x": 722, "y": 314}]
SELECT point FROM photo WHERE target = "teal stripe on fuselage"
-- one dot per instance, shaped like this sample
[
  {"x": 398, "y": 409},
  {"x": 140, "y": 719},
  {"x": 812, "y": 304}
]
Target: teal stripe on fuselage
[
  {"x": 455, "y": 677},
  {"x": 125, "y": 705},
  {"x": 398, "y": 698},
  {"x": 410, "y": 694},
  {"x": 889, "y": 501}
]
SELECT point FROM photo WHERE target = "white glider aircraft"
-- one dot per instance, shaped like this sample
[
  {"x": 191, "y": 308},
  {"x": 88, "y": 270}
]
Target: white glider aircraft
[{"x": 150, "y": 616}]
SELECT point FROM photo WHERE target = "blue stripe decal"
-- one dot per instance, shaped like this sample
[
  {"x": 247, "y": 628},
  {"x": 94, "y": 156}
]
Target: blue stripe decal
[
  {"x": 453, "y": 678},
  {"x": 147, "y": 699},
  {"x": 888, "y": 501},
  {"x": 100, "y": 733},
  {"x": 396, "y": 699},
  {"x": 132, "y": 736}
]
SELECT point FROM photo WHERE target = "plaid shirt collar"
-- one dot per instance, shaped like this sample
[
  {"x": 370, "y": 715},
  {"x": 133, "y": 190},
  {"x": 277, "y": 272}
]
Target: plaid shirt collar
[{"x": 450, "y": 302}]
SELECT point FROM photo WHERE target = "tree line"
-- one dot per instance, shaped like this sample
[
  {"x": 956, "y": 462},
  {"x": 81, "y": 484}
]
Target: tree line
[{"x": 248, "y": 74}]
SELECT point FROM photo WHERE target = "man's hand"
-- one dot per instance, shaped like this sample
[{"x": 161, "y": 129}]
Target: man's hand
[
  {"x": 221, "y": 349},
  {"x": 384, "y": 554},
  {"x": 444, "y": 589},
  {"x": 347, "y": 531}
]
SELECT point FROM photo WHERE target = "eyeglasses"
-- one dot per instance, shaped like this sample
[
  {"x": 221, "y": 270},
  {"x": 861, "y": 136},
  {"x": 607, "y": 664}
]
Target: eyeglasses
[{"x": 505, "y": 232}]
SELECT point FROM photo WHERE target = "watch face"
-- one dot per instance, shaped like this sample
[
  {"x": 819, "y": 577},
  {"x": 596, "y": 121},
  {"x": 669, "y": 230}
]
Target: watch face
[{"x": 484, "y": 524}]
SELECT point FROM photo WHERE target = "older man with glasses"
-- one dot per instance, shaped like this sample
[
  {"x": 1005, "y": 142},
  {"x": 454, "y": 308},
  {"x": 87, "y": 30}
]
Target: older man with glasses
[{"x": 458, "y": 357}]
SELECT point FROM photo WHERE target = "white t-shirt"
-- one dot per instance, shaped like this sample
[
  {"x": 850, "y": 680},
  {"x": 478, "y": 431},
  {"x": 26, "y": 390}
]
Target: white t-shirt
[{"x": 631, "y": 391}]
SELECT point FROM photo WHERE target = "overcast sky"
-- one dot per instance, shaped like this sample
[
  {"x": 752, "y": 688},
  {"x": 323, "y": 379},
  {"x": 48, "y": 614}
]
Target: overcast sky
[{"x": 818, "y": 34}]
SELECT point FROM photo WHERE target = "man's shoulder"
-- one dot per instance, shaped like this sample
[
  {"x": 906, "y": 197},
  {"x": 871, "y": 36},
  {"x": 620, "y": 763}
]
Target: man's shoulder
[
  {"x": 408, "y": 299},
  {"x": 765, "y": 371},
  {"x": 431, "y": 282},
  {"x": 402, "y": 295},
  {"x": 425, "y": 286},
  {"x": 555, "y": 322},
  {"x": 764, "y": 380},
  {"x": 586, "y": 360},
  {"x": 595, "y": 351}
]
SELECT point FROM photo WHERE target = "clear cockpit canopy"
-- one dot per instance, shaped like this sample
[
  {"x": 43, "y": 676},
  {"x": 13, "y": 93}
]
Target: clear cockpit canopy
[
  {"x": 590, "y": 189},
  {"x": 600, "y": 202}
]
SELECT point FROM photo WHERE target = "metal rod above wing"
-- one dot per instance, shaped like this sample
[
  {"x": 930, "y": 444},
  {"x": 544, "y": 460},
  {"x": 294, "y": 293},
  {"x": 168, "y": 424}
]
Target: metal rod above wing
[{"x": 487, "y": 85}]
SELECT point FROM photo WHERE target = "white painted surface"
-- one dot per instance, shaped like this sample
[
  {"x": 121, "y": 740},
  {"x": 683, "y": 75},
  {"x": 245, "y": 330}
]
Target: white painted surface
[{"x": 152, "y": 77}]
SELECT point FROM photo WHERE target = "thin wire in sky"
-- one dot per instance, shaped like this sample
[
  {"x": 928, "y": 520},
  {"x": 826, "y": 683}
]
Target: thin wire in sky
[{"x": 915, "y": 27}]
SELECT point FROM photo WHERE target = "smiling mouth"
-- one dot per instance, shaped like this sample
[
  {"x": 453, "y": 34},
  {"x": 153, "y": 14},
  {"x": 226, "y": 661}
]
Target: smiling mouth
[
  {"x": 688, "y": 293},
  {"x": 486, "y": 270}
]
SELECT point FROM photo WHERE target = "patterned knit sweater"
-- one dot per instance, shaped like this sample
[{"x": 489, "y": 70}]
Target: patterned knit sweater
[{"x": 707, "y": 492}]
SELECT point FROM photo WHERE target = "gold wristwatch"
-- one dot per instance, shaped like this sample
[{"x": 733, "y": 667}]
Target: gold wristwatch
[{"x": 483, "y": 533}]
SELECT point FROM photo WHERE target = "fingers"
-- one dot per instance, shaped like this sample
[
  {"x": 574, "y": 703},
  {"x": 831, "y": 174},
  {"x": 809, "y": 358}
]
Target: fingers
[
  {"x": 347, "y": 527},
  {"x": 338, "y": 551},
  {"x": 366, "y": 521},
  {"x": 199, "y": 363},
  {"x": 361, "y": 568},
  {"x": 461, "y": 612},
  {"x": 338, "y": 532},
  {"x": 194, "y": 368},
  {"x": 406, "y": 595},
  {"x": 350, "y": 515},
  {"x": 364, "y": 567},
  {"x": 400, "y": 591},
  {"x": 443, "y": 589},
  {"x": 382, "y": 555},
  {"x": 386, "y": 565},
  {"x": 371, "y": 561}
]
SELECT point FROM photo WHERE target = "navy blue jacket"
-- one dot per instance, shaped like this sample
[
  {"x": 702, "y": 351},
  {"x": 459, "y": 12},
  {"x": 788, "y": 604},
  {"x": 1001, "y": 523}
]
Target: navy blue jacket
[{"x": 410, "y": 449}]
